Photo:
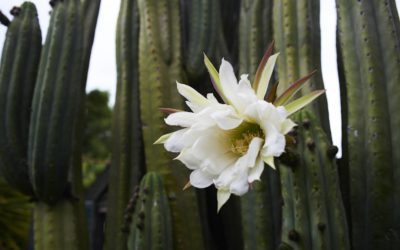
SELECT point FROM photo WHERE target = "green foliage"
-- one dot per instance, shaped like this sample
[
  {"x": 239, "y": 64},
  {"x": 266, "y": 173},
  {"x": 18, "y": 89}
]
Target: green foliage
[
  {"x": 97, "y": 137},
  {"x": 15, "y": 218}
]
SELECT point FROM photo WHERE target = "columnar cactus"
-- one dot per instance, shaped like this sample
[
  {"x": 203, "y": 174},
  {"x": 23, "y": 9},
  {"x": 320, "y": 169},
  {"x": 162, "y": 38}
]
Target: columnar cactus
[
  {"x": 55, "y": 103},
  {"x": 18, "y": 70},
  {"x": 127, "y": 165},
  {"x": 369, "y": 49},
  {"x": 297, "y": 37},
  {"x": 148, "y": 216},
  {"x": 313, "y": 213},
  {"x": 160, "y": 65}
]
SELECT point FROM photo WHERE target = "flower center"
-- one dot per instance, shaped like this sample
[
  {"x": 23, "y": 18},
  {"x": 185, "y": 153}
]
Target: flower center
[{"x": 242, "y": 136}]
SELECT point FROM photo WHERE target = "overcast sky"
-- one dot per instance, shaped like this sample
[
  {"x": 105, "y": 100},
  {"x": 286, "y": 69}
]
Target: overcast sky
[{"x": 102, "y": 72}]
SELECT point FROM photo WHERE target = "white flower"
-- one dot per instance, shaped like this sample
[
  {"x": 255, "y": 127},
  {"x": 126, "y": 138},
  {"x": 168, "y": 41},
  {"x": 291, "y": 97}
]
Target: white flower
[{"x": 228, "y": 144}]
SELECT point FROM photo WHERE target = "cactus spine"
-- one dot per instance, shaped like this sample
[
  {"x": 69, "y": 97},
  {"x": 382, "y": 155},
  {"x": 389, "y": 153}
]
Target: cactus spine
[
  {"x": 149, "y": 215},
  {"x": 55, "y": 103},
  {"x": 159, "y": 67},
  {"x": 260, "y": 208},
  {"x": 297, "y": 36},
  {"x": 371, "y": 143},
  {"x": 313, "y": 212},
  {"x": 127, "y": 157},
  {"x": 18, "y": 70}
]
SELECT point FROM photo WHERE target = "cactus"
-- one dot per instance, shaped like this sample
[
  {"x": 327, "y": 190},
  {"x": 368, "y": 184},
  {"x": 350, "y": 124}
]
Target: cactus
[
  {"x": 148, "y": 216},
  {"x": 55, "y": 103},
  {"x": 203, "y": 34},
  {"x": 159, "y": 67},
  {"x": 55, "y": 226},
  {"x": 18, "y": 70},
  {"x": 297, "y": 37},
  {"x": 260, "y": 208},
  {"x": 371, "y": 141},
  {"x": 127, "y": 157},
  {"x": 313, "y": 213}
]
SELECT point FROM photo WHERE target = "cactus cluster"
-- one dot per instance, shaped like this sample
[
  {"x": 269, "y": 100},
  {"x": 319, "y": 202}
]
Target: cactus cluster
[
  {"x": 297, "y": 206},
  {"x": 42, "y": 92}
]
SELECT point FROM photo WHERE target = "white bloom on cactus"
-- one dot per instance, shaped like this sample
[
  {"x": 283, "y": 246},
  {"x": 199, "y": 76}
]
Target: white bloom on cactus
[{"x": 228, "y": 144}]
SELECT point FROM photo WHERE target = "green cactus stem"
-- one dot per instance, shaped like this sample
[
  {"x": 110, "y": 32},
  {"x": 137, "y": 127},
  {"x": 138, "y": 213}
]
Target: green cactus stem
[
  {"x": 160, "y": 65},
  {"x": 255, "y": 32},
  {"x": 313, "y": 213},
  {"x": 369, "y": 57},
  {"x": 55, "y": 226},
  {"x": 55, "y": 103},
  {"x": 203, "y": 34},
  {"x": 127, "y": 165},
  {"x": 4, "y": 19},
  {"x": 297, "y": 38},
  {"x": 18, "y": 70},
  {"x": 148, "y": 216}
]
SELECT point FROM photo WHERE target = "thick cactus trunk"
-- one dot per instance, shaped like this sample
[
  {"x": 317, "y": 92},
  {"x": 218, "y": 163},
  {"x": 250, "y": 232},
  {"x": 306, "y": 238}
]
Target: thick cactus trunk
[
  {"x": 369, "y": 44},
  {"x": 149, "y": 216},
  {"x": 55, "y": 226},
  {"x": 297, "y": 38},
  {"x": 18, "y": 70},
  {"x": 260, "y": 208},
  {"x": 127, "y": 165},
  {"x": 55, "y": 103},
  {"x": 313, "y": 212},
  {"x": 59, "y": 221},
  {"x": 160, "y": 65}
]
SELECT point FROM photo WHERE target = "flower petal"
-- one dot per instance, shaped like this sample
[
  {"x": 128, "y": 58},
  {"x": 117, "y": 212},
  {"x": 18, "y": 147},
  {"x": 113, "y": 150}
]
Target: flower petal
[
  {"x": 215, "y": 78},
  {"x": 256, "y": 171},
  {"x": 229, "y": 82},
  {"x": 226, "y": 119},
  {"x": 200, "y": 179},
  {"x": 175, "y": 142},
  {"x": 266, "y": 76},
  {"x": 239, "y": 186},
  {"x": 222, "y": 198},
  {"x": 189, "y": 159},
  {"x": 300, "y": 103},
  {"x": 183, "y": 119},
  {"x": 270, "y": 161},
  {"x": 253, "y": 151},
  {"x": 192, "y": 95},
  {"x": 287, "y": 126},
  {"x": 163, "y": 138}
]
